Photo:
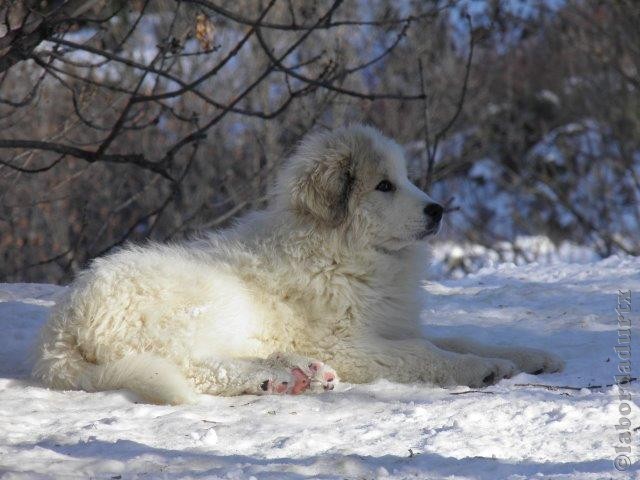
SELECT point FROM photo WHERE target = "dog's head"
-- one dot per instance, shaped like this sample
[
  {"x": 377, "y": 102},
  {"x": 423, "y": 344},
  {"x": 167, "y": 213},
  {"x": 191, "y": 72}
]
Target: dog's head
[{"x": 356, "y": 179}]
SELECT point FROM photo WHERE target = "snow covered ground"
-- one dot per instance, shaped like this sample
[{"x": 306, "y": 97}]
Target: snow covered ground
[{"x": 383, "y": 430}]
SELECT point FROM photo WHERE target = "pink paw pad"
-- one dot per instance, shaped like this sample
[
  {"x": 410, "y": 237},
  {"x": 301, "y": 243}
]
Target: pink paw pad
[
  {"x": 274, "y": 387},
  {"x": 318, "y": 368},
  {"x": 301, "y": 382}
]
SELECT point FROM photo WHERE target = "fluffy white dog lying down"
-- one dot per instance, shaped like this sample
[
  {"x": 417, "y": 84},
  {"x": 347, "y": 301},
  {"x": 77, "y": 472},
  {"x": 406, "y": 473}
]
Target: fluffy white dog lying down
[{"x": 328, "y": 277}]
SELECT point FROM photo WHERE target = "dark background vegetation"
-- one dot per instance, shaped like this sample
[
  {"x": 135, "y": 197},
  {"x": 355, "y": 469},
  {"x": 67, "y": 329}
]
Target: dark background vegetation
[{"x": 127, "y": 120}]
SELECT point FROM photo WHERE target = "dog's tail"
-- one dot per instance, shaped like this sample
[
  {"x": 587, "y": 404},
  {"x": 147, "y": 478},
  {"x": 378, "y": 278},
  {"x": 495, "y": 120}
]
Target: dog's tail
[{"x": 59, "y": 363}]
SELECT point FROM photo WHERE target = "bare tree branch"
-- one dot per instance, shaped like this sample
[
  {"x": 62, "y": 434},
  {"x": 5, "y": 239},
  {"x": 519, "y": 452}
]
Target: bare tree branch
[
  {"x": 36, "y": 26},
  {"x": 87, "y": 156}
]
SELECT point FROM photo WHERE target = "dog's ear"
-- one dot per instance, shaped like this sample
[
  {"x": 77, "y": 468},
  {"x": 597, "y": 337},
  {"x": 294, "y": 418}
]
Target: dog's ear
[{"x": 324, "y": 189}]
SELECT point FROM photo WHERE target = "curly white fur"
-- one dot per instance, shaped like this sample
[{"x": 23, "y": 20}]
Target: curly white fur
[{"x": 330, "y": 271}]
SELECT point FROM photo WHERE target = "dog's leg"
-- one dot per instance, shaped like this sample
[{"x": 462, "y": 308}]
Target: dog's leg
[
  {"x": 415, "y": 360},
  {"x": 530, "y": 360},
  {"x": 256, "y": 376}
]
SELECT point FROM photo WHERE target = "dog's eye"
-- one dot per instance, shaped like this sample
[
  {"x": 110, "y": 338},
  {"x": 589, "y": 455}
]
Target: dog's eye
[{"x": 385, "y": 186}]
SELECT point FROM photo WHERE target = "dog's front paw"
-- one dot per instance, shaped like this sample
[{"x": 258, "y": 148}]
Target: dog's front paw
[
  {"x": 292, "y": 382},
  {"x": 322, "y": 376},
  {"x": 478, "y": 372},
  {"x": 309, "y": 374},
  {"x": 534, "y": 361}
]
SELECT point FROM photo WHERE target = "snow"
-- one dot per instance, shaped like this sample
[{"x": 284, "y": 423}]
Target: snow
[
  {"x": 455, "y": 259},
  {"x": 377, "y": 431}
]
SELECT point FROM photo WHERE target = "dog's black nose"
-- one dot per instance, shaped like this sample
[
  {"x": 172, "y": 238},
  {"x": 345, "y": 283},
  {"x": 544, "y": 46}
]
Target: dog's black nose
[{"x": 434, "y": 211}]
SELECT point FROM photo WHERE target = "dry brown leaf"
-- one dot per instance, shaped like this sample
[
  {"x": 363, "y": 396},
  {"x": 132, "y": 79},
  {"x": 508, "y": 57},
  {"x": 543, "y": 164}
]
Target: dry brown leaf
[{"x": 204, "y": 31}]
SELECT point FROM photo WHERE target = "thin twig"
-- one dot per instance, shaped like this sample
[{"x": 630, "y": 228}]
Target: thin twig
[
  {"x": 568, "y": 387},
  {"x": 432, "y": 148}
]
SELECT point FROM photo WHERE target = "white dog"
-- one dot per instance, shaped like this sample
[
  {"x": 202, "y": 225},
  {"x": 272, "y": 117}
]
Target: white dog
[{"x": 329, "y": 274}]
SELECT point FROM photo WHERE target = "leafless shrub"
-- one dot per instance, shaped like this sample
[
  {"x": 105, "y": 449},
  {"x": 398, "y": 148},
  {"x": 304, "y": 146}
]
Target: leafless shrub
[{"x": 122, "y": 121}]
